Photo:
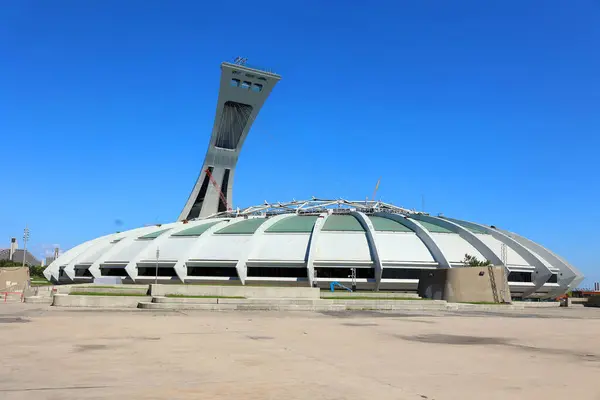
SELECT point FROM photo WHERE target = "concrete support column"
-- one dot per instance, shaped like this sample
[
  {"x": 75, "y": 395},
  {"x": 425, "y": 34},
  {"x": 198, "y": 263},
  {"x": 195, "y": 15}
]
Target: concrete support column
[
  {"x": 241, "y": 266},
  {"x": 312, "y": 247},
  {"x": 465, "y": 234},
  {"x": 422, "y": 234},
  {"x": 180, "y": 266},
  {"x": 372, "y": 240},
  {"x": 568, "y": 278},
  {"x": 542, "y": 270}
]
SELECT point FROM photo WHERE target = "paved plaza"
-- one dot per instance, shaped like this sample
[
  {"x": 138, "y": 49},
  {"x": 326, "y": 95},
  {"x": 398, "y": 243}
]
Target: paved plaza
[{"x": 50, "y": 353}]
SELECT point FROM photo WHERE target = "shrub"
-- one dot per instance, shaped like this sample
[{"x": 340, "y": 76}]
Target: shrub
[{"x": 472, "y": 261}]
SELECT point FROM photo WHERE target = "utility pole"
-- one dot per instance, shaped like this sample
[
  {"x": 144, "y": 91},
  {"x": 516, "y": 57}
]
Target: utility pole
[
  {"x": 156, "y": 275},
  {"x": 25, "y": 239},
  {"x": 353, "y": 275}
]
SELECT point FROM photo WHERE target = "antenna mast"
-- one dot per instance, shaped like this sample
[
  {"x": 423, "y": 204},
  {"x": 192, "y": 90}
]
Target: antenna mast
[{"x": 376, "y": 188}]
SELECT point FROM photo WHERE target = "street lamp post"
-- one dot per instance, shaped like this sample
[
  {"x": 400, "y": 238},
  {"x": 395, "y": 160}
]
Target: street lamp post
[
  {"x": 156, "y": 274},
  {"x": 25, "y": 239}
]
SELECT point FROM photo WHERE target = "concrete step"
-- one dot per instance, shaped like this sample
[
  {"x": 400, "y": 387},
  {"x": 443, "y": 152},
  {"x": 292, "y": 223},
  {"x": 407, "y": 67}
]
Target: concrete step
[
  {"x": 184, "y": 300},
  {"x": 483, "y": 307},
  {"x": 382, "y": 295},
  {"x": 185, "y": 306},
  {"x": 277, "y": 301},
  {"x": 38, "y": 299},
  {"x": 239, "y": 307},
  {"x": 215, "y": 300},
  {"x": 396, "y": 307}
]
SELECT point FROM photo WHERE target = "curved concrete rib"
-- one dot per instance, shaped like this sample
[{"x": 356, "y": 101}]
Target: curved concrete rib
[
  {"x": 93, "y": 245},
  {"x": 422, "y": 234},
  {"x": 372, "y": 240},
  {"x": 542, "y": 270},
  {"x": 52, "y": 271},
  {"x": 312, "y": 247},
  {"x": 179, "y": 266},
  {"x": 128, "y": 238},
  {"x": 241, "y": 266},
  {"x": 464, "y": 234},
  {"x": 569, "y": 277},
  {"x": 131, "y": 267}
]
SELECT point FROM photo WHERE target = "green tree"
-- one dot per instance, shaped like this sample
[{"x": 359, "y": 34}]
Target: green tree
[
  {"x": 472, "y": 261},
  {"x": 35, "y": 271},
  {"x": 8, "y": 264}
]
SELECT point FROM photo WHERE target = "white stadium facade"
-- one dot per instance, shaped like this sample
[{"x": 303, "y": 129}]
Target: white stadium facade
[{"x": 312, "y": 242}]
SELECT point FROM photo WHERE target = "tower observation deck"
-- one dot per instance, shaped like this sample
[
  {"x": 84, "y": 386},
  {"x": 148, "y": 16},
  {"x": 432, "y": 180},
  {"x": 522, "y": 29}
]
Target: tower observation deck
[{"x": 242, "y": 93}]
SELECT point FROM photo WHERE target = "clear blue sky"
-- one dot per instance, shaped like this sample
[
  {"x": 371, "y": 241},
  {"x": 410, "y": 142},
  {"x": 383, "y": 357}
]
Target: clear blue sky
[{"x": 490, "y": 110}]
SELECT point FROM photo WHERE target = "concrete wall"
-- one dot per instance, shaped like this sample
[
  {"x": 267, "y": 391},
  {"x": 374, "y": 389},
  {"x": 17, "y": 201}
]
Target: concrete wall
[
  {"x": 473, "y": 284},
  {"x": 13, "y": 279},
  {"x": 249, "y": 292},
  {"x": 432, "y": 283},
  {"x": 142, "y": 290},
  {"x": 593, "y": 301},
  {"x": 63, "y": 300},
  {"x": 381, "y": 295}
]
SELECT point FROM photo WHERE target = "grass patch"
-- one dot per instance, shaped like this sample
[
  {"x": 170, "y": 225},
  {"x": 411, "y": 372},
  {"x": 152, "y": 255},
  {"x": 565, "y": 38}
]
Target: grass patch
[
  {"x": 237, "y": 283},
  {"x": 110, "y": 287},
  {"x": 184, "y": 296},
  {"x": 40, "y": 282},
  {"x": 105, "y": 294},
  {"x": 369, "y": 298}
]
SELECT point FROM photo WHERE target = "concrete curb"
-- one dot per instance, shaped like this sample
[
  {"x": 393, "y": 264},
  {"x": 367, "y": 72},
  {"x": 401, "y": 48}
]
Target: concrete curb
[
  {"x": 239, "y": 307},
  {"x": 64, "y": 300},
  {"x": 38, "y": 300},
  {"x": 241, "y": 291},
  {"x": 382, "y": 295}
]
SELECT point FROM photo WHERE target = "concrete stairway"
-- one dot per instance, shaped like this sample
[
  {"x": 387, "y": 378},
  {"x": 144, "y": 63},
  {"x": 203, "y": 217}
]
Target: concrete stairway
[
  {"x": 218, "y": 304},
  {"x": 379, "y": 295},
  {"x": 286, "y": 304},
  {"x": 39, "y": 294}
]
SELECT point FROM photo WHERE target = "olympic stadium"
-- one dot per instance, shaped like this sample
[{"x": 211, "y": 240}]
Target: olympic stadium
[{"x": 313, "y": 242}]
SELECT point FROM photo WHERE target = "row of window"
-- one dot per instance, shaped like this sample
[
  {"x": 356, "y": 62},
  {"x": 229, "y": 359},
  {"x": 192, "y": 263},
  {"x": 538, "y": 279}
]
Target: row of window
[
  {"x": 274, "y": 272},
  {"x": 268, "y": 272},
  {"x": 260, "y": 78},
  {"x": 255, "y": 87}
]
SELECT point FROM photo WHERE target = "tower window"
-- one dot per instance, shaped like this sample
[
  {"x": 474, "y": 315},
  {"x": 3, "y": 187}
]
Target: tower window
[
  {"x": 257, "y": 87},
  {"x": 235, "y": 82},
  {"x": 246, "y": 85}
]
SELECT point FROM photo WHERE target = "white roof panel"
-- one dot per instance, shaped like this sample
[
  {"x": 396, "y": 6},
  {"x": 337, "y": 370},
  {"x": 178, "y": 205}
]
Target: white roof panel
[
  {"x": 512, "y": 258},
  {"x": 281, "y": 247},
  {"x": 95, "y": 252},
  {"x": 334, "y": 246},
  {"x": 402, "y": 247},
  {"x": 130, "y": 251},
  {"x": 171, "y": 249},
  {"x": 454, "y": 247},
  {"x": 222, "y": 247}
]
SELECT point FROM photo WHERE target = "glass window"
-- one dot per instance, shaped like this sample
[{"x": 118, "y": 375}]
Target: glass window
[
  {"x": 235, "y": 82},
  {"x": 257, "y": 87},
  {"x": 246, "y": 85}
]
